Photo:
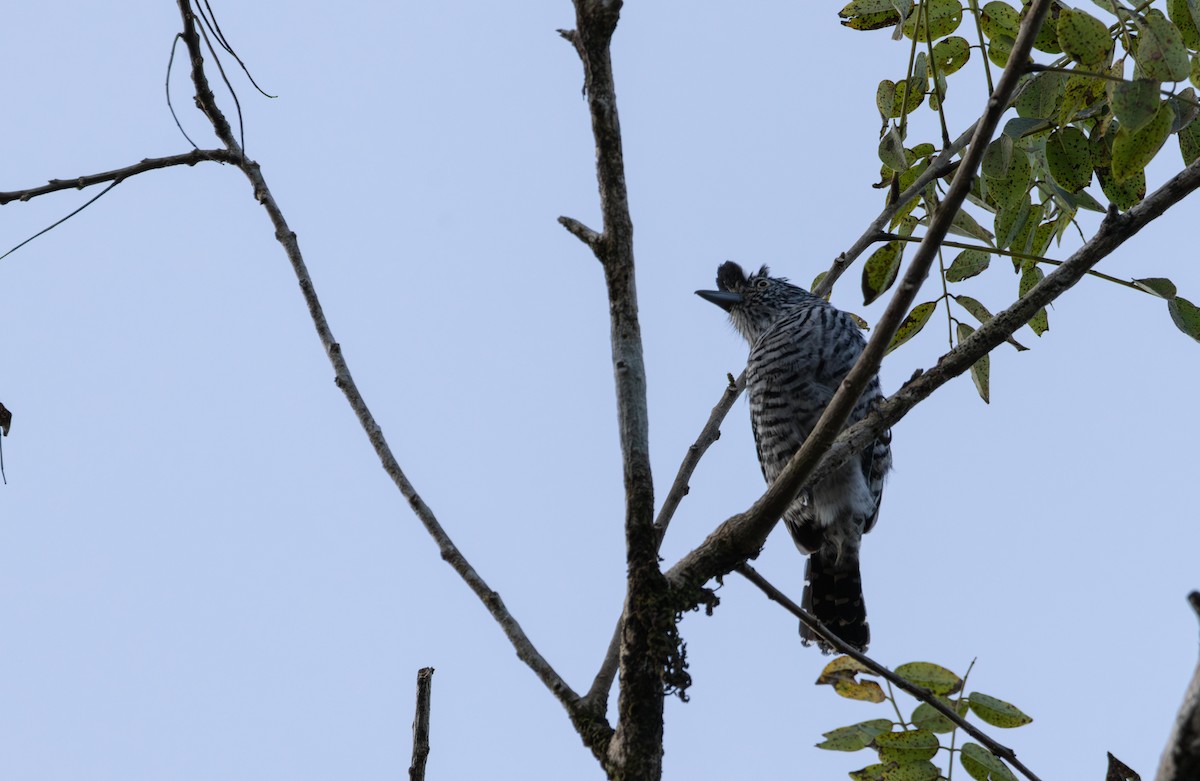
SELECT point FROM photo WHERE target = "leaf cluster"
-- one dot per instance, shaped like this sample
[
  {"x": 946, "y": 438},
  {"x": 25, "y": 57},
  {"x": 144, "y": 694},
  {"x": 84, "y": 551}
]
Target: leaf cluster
[
  {"x": 906, "y": 748},
  {"x": 1079, "y": 120}
]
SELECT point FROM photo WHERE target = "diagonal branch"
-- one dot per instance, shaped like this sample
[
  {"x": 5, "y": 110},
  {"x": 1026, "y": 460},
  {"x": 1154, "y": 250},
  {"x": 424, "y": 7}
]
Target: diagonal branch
[
  {"x": 1181, "y": 758},
  {"x": 920, "y": 692},
  {"x": 118, "y": 175},
  {"x": 590, "y": 724},
  {"x": 741, "y": 536}
]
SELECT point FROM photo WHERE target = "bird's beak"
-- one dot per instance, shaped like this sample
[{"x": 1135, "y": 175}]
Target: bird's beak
[{"x": 722, "y": 298}]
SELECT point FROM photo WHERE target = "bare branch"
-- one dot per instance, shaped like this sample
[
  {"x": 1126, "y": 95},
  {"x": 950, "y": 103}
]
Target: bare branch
[
  {"x": 1181, "y": 758},
  {"x": 420, "y": 751},
  {"x": 120, "y": 174},
  {"x": 920, "y": 692},
  {"x": 589, "y": 723},
  {"x": 584, "y": 234},
  {"x": 648, "y": 625}
]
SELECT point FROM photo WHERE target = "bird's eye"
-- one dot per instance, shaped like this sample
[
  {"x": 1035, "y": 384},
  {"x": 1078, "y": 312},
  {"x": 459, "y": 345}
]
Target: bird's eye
[{"x": 761, "y": 283}]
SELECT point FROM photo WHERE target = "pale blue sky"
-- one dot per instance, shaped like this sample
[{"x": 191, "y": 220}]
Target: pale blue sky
[{"x": 205, "y": 574}]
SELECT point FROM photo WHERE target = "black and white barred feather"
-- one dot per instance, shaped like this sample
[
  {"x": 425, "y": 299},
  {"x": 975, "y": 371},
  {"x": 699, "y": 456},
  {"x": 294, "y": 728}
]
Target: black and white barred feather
[{"x": 801, "y": 348}]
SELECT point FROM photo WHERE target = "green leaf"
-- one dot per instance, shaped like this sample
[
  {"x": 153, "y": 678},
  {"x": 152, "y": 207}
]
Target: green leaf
[
  {"x": 1030, "y": 276},
  {"x": 1163, "y": 288},
  {"x": 1194, "y": 75},
  {"x": 1185, "y": 107},
  {"x": 891, "y": 151},
  {"x": 1186, "y": 316},
  {"x": 1160, "y": 52},
  {"x": 1123, "y": 194},
  {"x": 925, "y": 717},
  {"x": 983, "y": 765},
  {"x": 932, "y": 676},
  {"x": 967, "y": 264},
  {"x": 880, "y": 271},
  {"x": 1082, "y": 91},
  {"x": 1010, "y": 221},
  {"x": 1069, "y": 158},
  {"x": 942, "y": 17},
  {"x": 1047, "y": 37},
  {"x": 870, "y": 14},
  {"x": 885, "y": 98},
  {"x": 1133, "y": 149},
  {"x": 999, "y": 19},
  {"x": 1012, "y": 186},
  {"x": 998, "y": 49},
  {"x": 891, "y": 771},
  {"x": 1018, "y": 127},
  {"x": 912, "y": 324},
  {"x": 1084, "y": 37},
  {"x": 950, "y": 54},
  {"x": 1186, "y": 16},
  {"x": 1134, "y": 103},
  {"x": 964, "y": 224},
  {"x": 856, "y": 736},
  {"x": 980, "y": 370},
  {"x": 996, "y": 712},
  {"x": 1189, "y": 143},
  {"x": 1041, "y": 98},
  {"x": 977, "y": 310},
  {"x": 907, "y": 746}
]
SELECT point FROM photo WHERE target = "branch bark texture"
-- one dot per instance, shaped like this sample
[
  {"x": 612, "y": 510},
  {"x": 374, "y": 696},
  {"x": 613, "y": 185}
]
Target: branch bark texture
[
  {"x": 1181, "y": 758},
  {"x": 420, "y": 751},
  {"x": 647, "y": 632}
]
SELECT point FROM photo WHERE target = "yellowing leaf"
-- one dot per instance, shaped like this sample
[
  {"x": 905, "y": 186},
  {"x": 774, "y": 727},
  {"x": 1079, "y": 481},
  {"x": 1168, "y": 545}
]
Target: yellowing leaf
[
  {"x": 912, "y": 324},
  {"x": 907, "y": 746},
  {"x": 879, "y": 272}
]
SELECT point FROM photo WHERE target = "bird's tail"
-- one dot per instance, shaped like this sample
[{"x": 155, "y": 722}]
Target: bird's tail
[{"x": 833, "y": 593}]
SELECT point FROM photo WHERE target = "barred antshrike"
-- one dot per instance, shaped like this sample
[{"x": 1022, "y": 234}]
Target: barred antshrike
[{"x": 801, "y": 348}]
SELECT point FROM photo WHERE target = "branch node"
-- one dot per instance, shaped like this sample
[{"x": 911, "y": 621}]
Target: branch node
[{"x": 583, "y": 233}]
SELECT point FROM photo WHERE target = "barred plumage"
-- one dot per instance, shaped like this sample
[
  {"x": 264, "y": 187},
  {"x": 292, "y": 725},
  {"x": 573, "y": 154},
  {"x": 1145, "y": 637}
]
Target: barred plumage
[{"x": 801, "y": 348}]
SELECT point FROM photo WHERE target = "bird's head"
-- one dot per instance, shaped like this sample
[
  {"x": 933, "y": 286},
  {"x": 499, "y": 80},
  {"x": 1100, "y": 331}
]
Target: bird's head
[{"x": 754, "y": 302}]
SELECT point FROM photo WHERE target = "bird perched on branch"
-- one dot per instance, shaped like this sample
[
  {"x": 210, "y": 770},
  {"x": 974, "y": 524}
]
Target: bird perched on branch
[{"x": 801, "y": 348}]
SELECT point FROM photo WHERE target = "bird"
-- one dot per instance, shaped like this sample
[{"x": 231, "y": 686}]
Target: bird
[{"x": 801, "y": 348}]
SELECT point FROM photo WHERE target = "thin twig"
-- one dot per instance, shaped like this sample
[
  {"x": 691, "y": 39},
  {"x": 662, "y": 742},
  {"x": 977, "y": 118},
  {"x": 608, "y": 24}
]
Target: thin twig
[
  {"x": 56, "y": 223},
  {"x": 119, "y": 175},
  {"x": 920, "y": 692},
  {"x": 583, "y": 718},
  {"x": 420, "y": 750}
]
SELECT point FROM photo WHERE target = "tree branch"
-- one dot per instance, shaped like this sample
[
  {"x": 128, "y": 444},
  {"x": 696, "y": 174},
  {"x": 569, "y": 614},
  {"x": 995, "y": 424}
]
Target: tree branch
[
  {"x": 420, "y": 751},
  {"x": 648, "y": 626},
  {"x": 1181, "y": 758},
  {"x": 920, "y": 692},
  {"x": 740, "y": 537},
  {"x": 119, "y": 175},
  {"x": 591, "y": 725}
]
